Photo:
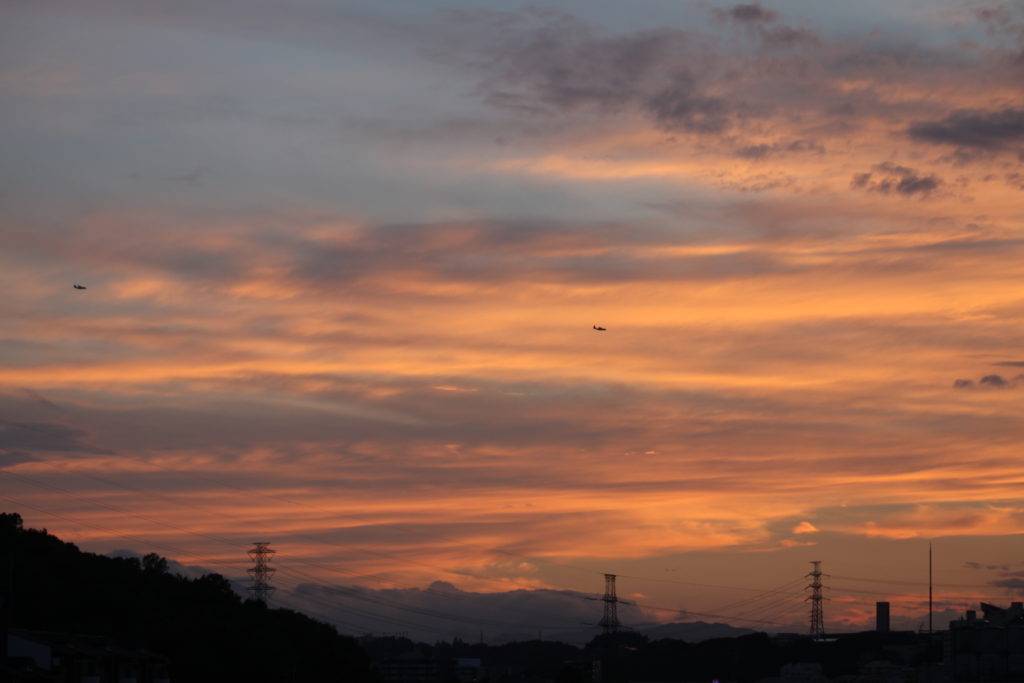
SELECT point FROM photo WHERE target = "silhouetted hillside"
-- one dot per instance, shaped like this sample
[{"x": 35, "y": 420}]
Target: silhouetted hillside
[
  {"x": 695, "y": 631},
  {"x": 201, "y": 625}
]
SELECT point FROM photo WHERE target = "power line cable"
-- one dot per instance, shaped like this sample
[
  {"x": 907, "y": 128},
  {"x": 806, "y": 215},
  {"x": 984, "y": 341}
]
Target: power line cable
[
  {"x": 381, "y": 554},
  {"x": 351, "y": 593}
]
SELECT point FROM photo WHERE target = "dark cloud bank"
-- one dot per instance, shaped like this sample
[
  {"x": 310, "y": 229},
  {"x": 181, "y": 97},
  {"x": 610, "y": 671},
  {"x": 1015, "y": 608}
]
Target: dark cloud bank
[
  {"x": 44, "y": 436},
  {"x": 890, "y": 178},
  {"x": 975, "y": 129},
  {"x": 990, "y": 382},
  {"x": 443, "y": 611},
  {"x": 760, "y": 21},
  {"x": 546, "y": 62},
  {"x": 745, "y": 13}
]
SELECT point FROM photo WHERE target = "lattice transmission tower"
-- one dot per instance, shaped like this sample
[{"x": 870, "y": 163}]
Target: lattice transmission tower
[
  {"x": 817, "y": 620},
  {"x": 261, "y": 554},
  {"x": 610, "y": 621}
]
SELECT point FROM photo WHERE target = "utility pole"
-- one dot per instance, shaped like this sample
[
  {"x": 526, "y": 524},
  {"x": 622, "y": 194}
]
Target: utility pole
[
  {"x": 610, "y": 620},
  {"x": 930, "y": 630},
  {"x": 817, "y": 620},
  {"x": 261, "y": 554}
]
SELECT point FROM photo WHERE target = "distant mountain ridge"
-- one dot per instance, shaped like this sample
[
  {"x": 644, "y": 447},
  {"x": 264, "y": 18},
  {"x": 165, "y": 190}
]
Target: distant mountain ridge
[{"x": 443, "y": 609}]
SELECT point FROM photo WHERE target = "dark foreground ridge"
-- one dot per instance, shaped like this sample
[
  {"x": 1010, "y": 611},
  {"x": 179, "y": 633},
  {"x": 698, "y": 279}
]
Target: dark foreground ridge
[{"x": 199, "y": 630}]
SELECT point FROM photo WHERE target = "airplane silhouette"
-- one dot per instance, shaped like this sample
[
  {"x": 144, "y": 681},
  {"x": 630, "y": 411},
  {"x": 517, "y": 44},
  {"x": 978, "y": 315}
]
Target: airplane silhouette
[
  {"x": 600, "y": 329},
  {"x": 80, "y": 287}
]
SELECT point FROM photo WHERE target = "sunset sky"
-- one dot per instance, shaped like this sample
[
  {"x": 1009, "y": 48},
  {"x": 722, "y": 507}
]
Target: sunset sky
[{"x": 344, "y": 258}]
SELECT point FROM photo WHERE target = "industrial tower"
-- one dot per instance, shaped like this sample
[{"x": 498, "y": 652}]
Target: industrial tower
[
  {"x": 610, "y": 620},
  {"x": 261, "y": 554},
  {"x": 817, "y": 622}
]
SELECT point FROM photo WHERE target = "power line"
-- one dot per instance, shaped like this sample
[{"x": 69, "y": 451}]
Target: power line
[
  {"x": 320, "y": 540},
  {"x": 909, "y": 583},
  {"x": 397, "y": 529},
  {"x": 354, "y": 594},
  {"x": 347, "y": 592},
  {"x": 763, "y": 594}
]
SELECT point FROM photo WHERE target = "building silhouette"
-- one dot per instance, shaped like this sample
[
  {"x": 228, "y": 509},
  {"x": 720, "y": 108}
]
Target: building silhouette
[
  {"x": 989, "y": 649},
  {"x": 47, "y": 656},
  {"x": 882, "y": 617}
]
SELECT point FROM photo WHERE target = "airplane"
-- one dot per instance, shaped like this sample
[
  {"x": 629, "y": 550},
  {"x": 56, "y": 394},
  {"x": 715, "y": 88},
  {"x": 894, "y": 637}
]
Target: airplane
[
  {"x": 600, "y": 329},
  {"x": 80, "y": 287}
]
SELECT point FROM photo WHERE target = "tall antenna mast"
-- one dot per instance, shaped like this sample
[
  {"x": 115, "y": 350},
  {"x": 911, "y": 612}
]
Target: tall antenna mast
[
  {"x": 930, "y": 588},
  {"x": 261, "y": 554},
  {"x": 610, "y": 620},
  {"x": 817, "y": 620}
]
